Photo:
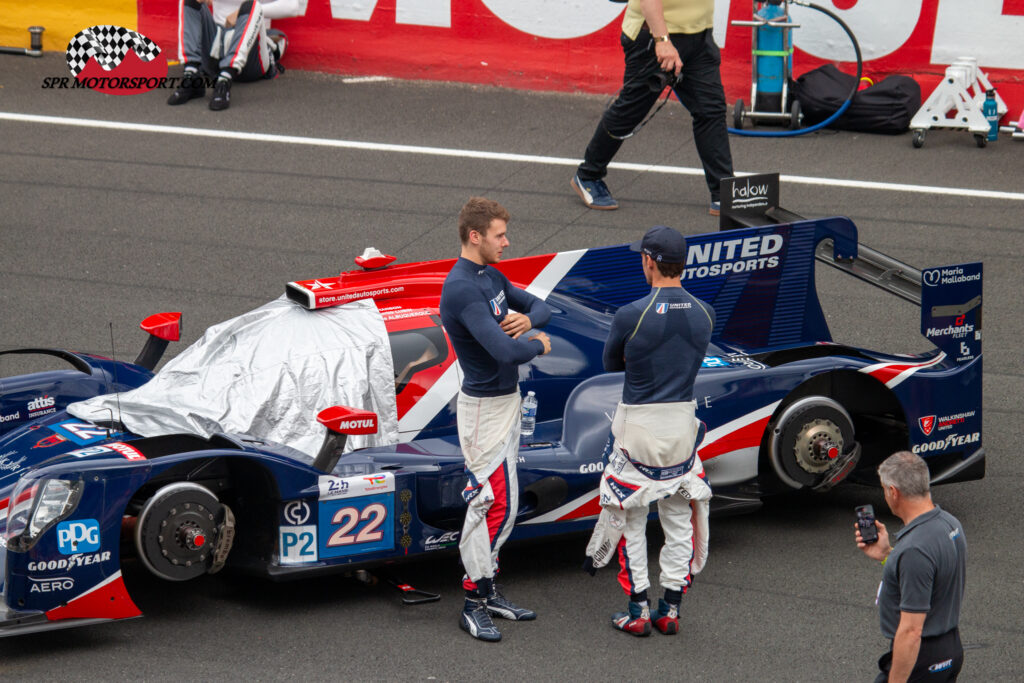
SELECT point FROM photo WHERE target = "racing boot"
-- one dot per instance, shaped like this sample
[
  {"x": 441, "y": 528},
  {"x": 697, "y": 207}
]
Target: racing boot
[
  {"x": 477, "y": 622},
  {"x": 637, "y": 620},
  {"x": 666, "y": 619},
  {"x": 221, "y": 92},
  {"x": 191, "y": 87},
  {"x": 499, "y": 606}
]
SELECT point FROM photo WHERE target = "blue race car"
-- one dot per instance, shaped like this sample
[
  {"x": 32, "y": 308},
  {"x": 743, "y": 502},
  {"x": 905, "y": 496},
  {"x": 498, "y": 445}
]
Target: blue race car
[{"x": 317, "y": 433}]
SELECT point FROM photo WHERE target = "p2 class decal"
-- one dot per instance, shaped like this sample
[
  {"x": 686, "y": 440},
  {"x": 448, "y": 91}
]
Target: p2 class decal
[
  {"x": 354, "y": 526},
  {"x": 297, "y": 544}
]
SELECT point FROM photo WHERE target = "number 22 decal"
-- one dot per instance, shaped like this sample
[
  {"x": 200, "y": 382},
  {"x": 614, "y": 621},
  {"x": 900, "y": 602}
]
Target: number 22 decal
[{"x": 349, "y": 517}]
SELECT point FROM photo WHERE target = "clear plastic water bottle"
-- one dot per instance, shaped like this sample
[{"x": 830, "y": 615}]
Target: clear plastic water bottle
[
  {"x": 529, "y": 414},
  {"x": 990, "y": 109}
]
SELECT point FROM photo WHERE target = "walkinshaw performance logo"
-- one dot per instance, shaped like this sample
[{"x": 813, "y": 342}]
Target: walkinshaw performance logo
[{"x": 113, "y": 60}]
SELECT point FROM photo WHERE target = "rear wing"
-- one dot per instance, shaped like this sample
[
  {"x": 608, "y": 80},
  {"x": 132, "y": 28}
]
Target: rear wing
[{"x": 950, "y": 297}]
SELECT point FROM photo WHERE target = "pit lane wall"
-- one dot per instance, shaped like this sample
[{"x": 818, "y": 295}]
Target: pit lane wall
[{"x": 573, "y": 45}]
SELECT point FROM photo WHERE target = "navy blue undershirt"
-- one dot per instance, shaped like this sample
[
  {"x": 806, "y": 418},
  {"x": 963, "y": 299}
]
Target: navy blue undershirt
[
  {"x": 660, "y": 342},
  {"x": 474, "y": 301}
]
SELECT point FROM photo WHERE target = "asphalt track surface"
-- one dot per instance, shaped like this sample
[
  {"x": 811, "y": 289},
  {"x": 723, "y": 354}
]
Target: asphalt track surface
[{"x": 101, "y": 226}]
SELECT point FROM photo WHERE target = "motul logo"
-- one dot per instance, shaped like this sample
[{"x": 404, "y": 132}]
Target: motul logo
[{"x": 356, "y": 424}]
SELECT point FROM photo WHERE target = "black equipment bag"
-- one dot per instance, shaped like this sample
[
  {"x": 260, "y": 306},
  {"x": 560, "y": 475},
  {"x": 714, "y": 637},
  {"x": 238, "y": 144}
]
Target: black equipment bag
[{"x": 886, "y": 107}]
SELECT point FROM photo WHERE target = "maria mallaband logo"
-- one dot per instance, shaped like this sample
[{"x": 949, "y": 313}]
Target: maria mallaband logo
[{"x": 114, "y": 60}]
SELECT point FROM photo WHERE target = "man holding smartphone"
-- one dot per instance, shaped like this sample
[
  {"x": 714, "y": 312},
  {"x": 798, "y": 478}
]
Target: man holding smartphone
[{"x": 922, "y": 585}]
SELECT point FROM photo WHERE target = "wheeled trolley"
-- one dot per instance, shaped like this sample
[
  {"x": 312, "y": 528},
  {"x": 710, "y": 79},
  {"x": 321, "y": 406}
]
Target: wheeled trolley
[{"x": 771, "y": 67}]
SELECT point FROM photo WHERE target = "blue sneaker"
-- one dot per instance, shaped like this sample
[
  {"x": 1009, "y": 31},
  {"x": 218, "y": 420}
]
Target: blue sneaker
[
  {"x": 637, "y": 620},
  {"x": 499, "y": 606},
  {"x": 477, "y": 622},
  {"x": 594, "y": 194},
  {"x": 715, "y": 208}
]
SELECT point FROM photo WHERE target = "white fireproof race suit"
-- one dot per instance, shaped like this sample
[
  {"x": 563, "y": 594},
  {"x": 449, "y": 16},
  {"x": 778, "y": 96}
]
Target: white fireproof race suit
[
  {"x": 653, "y": 459},
  {"x": 489, "y": 436}
]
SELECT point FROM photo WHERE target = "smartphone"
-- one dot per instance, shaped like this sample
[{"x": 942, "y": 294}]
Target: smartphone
[{"x": 866, "y": 523}]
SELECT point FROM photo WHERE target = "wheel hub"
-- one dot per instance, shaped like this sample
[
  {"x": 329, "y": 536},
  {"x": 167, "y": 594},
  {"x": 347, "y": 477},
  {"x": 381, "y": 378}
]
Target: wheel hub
[
  {"x": 818, "y": 444},
  {"x": 177, "y": 531}
]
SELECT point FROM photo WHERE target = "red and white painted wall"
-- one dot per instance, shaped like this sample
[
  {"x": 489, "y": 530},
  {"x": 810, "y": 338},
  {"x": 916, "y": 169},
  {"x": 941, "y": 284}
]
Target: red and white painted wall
[{"x": 572, "y": 45}]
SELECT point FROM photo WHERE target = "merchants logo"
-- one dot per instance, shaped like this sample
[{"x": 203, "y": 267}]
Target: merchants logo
[{"x": 116, "y": 61}]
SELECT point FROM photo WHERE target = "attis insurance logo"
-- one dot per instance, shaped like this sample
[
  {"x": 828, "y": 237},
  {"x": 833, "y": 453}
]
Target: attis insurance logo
[{"x": 116, "y": 60}]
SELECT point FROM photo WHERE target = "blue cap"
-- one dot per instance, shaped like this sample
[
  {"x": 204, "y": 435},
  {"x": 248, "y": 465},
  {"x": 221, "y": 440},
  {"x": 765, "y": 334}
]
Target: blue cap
[{"x": 663, "y": 244}]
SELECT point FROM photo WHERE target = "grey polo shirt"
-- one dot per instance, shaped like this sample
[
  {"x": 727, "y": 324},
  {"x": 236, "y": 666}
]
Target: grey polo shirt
[{"x": 925, "y": 573}]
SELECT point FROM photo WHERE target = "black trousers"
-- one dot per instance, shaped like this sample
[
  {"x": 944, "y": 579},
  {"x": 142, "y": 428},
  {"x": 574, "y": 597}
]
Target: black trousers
[
  {"x": 700, "y": 91},
  {"x": 938, "y": 661}
]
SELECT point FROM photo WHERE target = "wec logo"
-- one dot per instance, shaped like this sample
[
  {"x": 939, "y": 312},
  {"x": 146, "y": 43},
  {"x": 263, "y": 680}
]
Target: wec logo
[{"x": 80, "y": 536}]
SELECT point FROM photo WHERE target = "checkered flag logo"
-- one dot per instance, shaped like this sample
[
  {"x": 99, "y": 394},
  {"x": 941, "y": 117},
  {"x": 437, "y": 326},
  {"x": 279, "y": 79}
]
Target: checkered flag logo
[{"x": 108, "y": 44}]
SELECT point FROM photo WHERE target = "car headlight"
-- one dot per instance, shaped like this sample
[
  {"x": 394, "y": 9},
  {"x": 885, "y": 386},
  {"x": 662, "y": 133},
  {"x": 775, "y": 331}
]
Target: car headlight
[{"x": 35, "y": 506}]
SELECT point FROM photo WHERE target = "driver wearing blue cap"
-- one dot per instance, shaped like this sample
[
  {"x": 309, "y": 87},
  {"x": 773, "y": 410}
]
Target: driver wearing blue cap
[{"x": 659, "y": 341}]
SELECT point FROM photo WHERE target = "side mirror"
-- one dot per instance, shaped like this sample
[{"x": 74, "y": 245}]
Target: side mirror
[
  {"x": 162, "y": 328},
  {"x": 340, "y": 422}
]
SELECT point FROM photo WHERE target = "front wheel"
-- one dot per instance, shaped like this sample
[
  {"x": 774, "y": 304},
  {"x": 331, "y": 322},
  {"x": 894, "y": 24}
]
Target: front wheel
[
  {"x": 183, "y": 532},
  {"x": 812, "y": 443}
]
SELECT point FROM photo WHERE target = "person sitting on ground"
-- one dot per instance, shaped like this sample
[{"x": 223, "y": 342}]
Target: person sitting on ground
[{"x": 230, "y": 40}]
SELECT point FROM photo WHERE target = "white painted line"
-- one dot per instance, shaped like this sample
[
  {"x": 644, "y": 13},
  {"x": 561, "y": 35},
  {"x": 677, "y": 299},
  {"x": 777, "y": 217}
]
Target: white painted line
[
  {"x": 490, "y": 156},
  {"x": 366, "y": 79}
]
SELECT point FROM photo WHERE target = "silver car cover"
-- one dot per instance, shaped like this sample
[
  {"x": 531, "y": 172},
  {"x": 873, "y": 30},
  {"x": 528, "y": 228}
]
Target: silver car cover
[{"x": 267, "y": 373}]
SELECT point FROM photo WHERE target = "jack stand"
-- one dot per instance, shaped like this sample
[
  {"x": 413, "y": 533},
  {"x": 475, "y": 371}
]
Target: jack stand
[
  {"x": 416, "y": 596},
  {"x": 1016, "y": 130},
  {"x": 35, "y": 34},
  {"x": 963, "y": 89}
]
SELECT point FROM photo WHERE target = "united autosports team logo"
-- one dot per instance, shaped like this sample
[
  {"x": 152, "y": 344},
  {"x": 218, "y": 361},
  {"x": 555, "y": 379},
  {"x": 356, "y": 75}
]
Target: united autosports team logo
[
  {"x": 116, "y": 60},
  {"x": 927, "y": 424}
]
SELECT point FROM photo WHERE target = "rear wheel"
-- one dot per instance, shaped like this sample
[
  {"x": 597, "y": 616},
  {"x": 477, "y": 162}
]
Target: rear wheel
[
  {"x": 737, "y": 115},
  {"x": 809, "y": 440},
  {"x": 183, "y": 531}
]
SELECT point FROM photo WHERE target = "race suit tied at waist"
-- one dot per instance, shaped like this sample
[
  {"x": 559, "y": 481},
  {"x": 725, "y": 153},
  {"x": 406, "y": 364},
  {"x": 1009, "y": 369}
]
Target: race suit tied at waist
[{"x": 656, "y": 434}]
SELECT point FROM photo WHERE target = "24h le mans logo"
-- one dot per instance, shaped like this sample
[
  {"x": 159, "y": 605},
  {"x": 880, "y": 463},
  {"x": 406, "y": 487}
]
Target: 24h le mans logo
[{"x": 116, "y": 60}]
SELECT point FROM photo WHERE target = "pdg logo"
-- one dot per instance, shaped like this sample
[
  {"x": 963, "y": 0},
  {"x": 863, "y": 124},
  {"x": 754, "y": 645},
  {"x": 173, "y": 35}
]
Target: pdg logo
[{"x": 79, "y": 536}]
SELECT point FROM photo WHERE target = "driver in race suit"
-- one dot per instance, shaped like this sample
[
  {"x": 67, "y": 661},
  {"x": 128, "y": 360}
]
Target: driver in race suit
[
  {"x": 660, "y": 342},
  {"x": 491, "y": 340},
  {"x": 232, "y": 41}
]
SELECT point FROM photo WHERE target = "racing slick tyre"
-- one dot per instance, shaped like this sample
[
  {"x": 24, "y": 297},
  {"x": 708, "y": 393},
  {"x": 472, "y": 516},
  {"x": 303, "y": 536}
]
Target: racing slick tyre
[
  {"x": 811, "y": 437},
  {"x": 182, "y": 531}
]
